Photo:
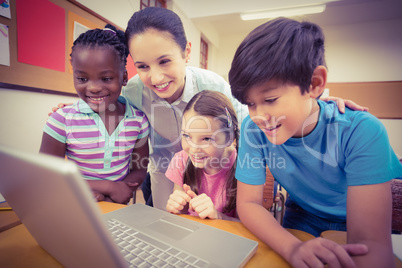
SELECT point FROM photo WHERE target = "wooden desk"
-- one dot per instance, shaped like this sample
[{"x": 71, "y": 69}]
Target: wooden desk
[
  {"x": 19, "y": 249},
  {"x": 8, "y": 219}
]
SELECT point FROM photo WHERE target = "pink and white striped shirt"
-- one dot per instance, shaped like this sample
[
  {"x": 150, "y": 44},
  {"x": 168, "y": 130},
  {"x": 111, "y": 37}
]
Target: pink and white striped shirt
[{"x": 99, "y": 156}]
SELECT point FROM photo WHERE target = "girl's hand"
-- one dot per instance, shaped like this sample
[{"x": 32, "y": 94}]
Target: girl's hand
[
  {"x": 202, "y": 204},
  {"x": 121, "y": 192},
  {"x": 98, "y": 196},
  {"x": 61, "y": 105},
  {"x": 319, "y": 252},
  {"x": 341, "y": 104},
  {"x": 177, "y": 201}
]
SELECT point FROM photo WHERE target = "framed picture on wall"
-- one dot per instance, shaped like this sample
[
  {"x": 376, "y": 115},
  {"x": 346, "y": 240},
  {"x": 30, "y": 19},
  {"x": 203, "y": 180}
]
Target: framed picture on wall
[
  {"x": 4, "y": 45},
  {"x": 79, "y": 29},
  {"x": 76, "y": 26}
]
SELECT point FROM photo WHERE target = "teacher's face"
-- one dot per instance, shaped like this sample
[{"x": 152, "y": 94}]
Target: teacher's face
[{"x": 160, "y": 62}]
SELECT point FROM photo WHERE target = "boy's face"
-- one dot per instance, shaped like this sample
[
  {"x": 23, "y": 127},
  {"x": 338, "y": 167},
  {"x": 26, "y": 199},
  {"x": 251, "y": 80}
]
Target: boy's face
[
  {"x": 281, "y": 111},
  {"x": 98, "y": 77}
]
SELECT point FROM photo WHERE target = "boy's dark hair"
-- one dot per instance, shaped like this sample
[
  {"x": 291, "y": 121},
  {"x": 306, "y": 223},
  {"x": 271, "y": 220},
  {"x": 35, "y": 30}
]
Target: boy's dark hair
[
  {"x": 109, "y": 36},
  {"x": 216, "y": 105},
  {"x": 281, "y": 49},
  {"x": 158, "y": 18}
]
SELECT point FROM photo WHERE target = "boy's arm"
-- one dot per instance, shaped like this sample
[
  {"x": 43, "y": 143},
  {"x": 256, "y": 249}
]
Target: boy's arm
[
  {"x": 260, "y": 221},
  {"x": 369, "y": 216},
  {"x": 312, "y": 253}
]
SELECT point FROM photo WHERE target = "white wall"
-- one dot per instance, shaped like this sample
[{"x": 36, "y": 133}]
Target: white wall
[
  {"x": 367, "y": 52},
  {"x": 193, "y": 35},
  {"x": 23, "y": 115},
  {"x": 364, "y": 52},
  {"x": 394, "y": 129}
]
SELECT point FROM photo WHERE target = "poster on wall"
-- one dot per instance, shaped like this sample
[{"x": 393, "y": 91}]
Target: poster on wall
[
  {"x": 41, "y": 34},
  {"x": 79, "y": 29},
  {"x": 76, "y": 26},
  {"x": 4, "y": 45},
  {"x": 5, "y": 8}
]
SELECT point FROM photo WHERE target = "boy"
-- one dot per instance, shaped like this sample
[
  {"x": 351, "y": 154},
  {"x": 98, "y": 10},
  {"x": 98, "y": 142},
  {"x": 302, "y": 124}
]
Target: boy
[{"x": 331, "y": 164}]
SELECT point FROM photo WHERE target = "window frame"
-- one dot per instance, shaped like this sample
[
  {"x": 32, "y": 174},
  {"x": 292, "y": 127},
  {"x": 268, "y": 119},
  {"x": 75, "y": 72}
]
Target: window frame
[{"x": 203, "y": 54}]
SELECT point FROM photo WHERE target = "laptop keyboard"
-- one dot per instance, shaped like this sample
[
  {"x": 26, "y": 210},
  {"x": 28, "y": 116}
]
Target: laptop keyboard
[{"x": 143, "y": 251}]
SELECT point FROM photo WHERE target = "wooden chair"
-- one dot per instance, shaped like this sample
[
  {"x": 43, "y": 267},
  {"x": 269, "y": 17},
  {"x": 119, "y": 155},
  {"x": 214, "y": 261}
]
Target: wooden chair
[
  {"x": 269, "y": 201},
  {"x": 396, "y": 188},
  {"x": 268, "y": 196}
]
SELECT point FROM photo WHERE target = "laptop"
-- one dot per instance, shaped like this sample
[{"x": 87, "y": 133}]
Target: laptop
[{"x": 57, "y": 207}]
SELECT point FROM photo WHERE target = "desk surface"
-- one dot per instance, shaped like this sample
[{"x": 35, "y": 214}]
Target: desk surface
[
  {"x": 264, "y": 253},
  {"x": 8, "y": 219},
  {"x": 19, "y": 249}
]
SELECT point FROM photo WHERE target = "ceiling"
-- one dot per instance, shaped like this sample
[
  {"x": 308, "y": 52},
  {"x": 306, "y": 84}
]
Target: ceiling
[
  {"x": 227, "y": 21},
  {"x": 224, "y": 15}
]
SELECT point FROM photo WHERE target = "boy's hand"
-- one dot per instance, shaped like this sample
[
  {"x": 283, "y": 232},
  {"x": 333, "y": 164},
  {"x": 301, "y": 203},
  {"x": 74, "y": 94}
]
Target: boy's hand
[
  {"x": 60, "y": 105},
  {"x": 319, "y": 252},
  {"x": 177, "y": 201},
  {"x": 341, "y": 103},
  {"x": 202, "y": 204}
]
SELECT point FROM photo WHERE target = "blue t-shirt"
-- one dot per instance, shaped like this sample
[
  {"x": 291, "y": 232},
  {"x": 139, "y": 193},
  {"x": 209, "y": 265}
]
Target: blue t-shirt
[{"x": 343, "y": 150}]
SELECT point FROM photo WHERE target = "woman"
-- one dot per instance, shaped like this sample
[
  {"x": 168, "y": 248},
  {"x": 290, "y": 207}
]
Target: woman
[{"x": 164, "y": 85}]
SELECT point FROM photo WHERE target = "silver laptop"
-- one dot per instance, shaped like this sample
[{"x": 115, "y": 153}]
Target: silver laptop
[{"x": 57, "y": 207}]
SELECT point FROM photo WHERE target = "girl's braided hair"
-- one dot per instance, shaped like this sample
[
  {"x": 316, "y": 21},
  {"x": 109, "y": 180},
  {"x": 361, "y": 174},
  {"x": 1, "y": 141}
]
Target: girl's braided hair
[{"x": 109, "y": 36}]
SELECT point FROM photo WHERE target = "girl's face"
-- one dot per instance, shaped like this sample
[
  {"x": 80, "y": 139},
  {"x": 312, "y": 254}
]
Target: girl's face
[
  {"x": 160, "y": 63},
  {"x": 205, "y": 142},
  {"x": 98, "y": 77}
]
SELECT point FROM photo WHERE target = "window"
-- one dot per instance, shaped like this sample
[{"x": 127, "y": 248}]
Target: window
[
  {"x": 152, "y": 3},
  {"x": 204, "y": 54}
]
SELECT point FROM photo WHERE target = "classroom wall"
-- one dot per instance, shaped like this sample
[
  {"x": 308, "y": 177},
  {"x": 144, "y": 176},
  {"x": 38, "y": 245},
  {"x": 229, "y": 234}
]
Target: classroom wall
[
  {"x": 193, "y": 34},
  {"x": 361, "y": 52},
  {"x": 23, "y": 115},
  {"x": 364, "y": 52}
]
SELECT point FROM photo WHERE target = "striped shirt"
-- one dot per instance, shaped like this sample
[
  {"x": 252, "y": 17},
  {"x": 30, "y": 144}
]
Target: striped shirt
[{"x": 99, "y": 156}]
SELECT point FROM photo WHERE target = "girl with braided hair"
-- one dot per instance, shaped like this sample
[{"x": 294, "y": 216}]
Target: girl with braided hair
[{"x": 101, "y": 132}]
